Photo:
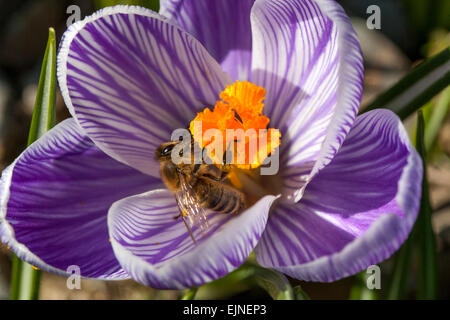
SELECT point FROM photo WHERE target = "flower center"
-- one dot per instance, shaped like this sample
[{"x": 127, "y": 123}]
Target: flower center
[
  {"x": 235, "y": 134},
  {"x": 235, "y": 131}
]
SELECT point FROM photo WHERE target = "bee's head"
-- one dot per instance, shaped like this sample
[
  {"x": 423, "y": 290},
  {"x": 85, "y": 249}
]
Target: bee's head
[{"x": 164, "y": 151}]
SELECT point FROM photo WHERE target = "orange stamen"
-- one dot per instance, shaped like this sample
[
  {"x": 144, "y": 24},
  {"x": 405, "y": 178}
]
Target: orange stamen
[{"x": 241, "y": 107}]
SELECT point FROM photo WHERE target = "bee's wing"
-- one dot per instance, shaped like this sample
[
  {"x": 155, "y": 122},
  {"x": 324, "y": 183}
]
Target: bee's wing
[{"x": 190, "y": 206}]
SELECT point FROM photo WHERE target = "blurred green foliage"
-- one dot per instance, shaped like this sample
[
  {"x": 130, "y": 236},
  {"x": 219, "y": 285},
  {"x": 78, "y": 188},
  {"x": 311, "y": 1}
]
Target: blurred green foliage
[
  {"x": 427, "y": 15},
  {"x": 359, "y": 291},
  {"x": 247, "y": 276},
  {"x": 150, "y": 4}
]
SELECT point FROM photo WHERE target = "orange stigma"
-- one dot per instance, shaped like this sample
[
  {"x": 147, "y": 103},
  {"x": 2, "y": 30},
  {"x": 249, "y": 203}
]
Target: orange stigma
[{"x": 237, "y": 119}]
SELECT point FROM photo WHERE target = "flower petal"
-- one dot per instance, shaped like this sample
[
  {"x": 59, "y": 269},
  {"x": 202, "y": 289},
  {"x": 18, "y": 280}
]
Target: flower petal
[
  {"x": 156, "y": 249},
  {"x": 222, "y": 26},
  {"x": 55, "y": 198},
  {"x": 356, "y": 212},
  {"x": 130, "y": 78},
  {"x": 307, "y": 56}
]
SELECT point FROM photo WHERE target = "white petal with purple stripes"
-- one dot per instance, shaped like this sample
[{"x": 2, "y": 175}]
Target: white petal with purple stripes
[
  {"x": 130, "y": 78},
  {"x": 55, "y": 199},
  {"x": 156, "y": 249},
  {"x": 222, "y": 26},
  {"x": 307, "y": 56},
  {"x": 356, "y": 212}
]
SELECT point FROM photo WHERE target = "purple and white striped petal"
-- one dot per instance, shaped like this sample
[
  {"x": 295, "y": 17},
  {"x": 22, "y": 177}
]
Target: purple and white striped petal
[
  {"x": 156, "y": 250},
  {"x": 307, "y": 56},
  {"x": 222, "y": 26},
  {"x": 355, "y": 213},
  {"x": 54, "y": 203},
  {"x": 130, "y": 78}
]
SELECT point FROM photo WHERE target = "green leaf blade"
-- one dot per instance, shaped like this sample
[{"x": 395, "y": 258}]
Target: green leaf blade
[
  {"x": 417, "y": 87},
  {"x": 25, "y": 279},
  {"x": 44, "y": 113},
  {"x": 402, "y": 265},
  {"x": 427, "y": 281},
  {"x": 190, "y": 294}
]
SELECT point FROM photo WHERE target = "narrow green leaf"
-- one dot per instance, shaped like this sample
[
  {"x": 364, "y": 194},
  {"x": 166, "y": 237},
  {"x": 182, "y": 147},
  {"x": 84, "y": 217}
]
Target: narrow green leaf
[
  {"x": 25, "y": 279},
  {"x": 417, "y": 87},
  {"x": 44, "y": 106},
  {"x": 402, "y": 266},
  {"x": 150, "y": 4},
  {"x": 190, "y": 294},
  {"x": 427, "y": 243}
]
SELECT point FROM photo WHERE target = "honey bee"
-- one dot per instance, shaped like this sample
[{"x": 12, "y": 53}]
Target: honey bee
[{"x": 198, "y": 187}]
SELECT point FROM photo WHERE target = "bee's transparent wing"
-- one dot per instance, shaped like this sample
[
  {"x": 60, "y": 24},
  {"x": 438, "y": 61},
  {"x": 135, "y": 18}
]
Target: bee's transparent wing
[{"x": 192, "y": 212}]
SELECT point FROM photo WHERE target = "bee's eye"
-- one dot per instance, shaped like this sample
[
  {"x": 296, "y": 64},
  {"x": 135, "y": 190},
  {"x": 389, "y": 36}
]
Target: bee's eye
[{"x": 166, "y": 151}]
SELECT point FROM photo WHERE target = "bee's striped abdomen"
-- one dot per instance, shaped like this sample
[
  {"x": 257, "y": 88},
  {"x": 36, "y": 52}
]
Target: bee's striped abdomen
[{"x": 218, "y": 197}]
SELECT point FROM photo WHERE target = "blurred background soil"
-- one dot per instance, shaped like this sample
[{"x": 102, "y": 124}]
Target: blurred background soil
[{"x": 411, "y": 30}]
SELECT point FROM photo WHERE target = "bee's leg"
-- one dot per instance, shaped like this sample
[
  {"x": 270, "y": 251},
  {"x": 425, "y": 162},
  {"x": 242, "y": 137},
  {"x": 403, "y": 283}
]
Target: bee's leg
[
  {"x": 177, "y": 216},
  {"x": 185, "y": 222},
  {"x": 189, "y": 230}
]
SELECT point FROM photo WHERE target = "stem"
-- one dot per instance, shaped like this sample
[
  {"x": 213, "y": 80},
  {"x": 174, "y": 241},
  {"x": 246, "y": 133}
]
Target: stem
[
  {"x": 190, "y": 295},
  {"x": 25, "y": 281}
]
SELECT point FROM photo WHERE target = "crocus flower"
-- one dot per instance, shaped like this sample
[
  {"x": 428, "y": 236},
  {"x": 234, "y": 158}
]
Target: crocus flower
[{"x": 89, "y": 193}]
